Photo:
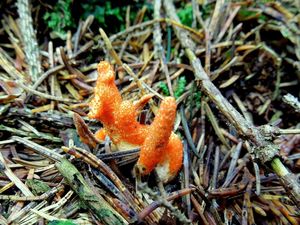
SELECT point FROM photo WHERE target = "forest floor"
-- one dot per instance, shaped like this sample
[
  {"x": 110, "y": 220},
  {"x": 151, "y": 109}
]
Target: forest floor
[{"x": 234, "y": 70}]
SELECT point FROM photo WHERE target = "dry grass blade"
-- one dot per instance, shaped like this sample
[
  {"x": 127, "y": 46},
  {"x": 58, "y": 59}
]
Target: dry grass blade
[
  {"x": 158, "y": 203},
  {"x": 32, "y": 198},
  {"x": 110, "y": 48},
  {"x": 8, "y": 172},
  {"x": 38, "y": 148},
  {"x": 215, "y": 125}
]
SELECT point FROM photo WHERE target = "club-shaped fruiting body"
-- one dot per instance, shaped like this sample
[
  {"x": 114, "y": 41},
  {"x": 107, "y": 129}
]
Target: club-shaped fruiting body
[{"x": 160, "y": 147}]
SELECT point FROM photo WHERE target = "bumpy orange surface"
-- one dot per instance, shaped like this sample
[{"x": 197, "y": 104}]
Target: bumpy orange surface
[{"x": 160, "y": 147}]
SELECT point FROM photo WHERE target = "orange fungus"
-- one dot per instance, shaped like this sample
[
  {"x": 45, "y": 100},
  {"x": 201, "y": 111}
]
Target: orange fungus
[{"x": 160, "y": 147}]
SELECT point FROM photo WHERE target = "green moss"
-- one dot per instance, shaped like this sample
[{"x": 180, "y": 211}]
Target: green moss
[
  {"x": 180, "y": 87},
  {"x": 101, "y": 12},
  {"x": 107, "y": 13},
  {"x": 186, "y": 15},
  {"x": 197, "y": 97},
  {"x": 164, "y": 88},
  {"x": 37, "y": 187},
  {"x": 60, "y": 19},
  {"x": 61, "y": 222}
]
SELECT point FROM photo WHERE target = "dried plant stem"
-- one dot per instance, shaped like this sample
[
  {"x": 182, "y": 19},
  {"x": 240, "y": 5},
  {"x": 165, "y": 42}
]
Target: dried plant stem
[
  {"x": 154, "y": 205},
  {"x": 46, "y": 195},
  {"x": 135, "y": 78},
  {"x": 47, "y": 74},
  {"x": 156, "y": 31},
  {"x": 8, "y": 67},
  {"x": 8, "y": 172},
  {"x": 215, "y": 19},
  {"x": 43, "y": 95},
  {"x": 264, "y": 150},
  {"x": 158, "y": 49},
  {"x": 16, "y": 217},
  {"x": 29, "y": 39},
  {"x": 38, "y": 148},
  {"x": 150, "y": 23},
  {"x": 110, "y": 48},
  {"x": 163, "y": 202},
  {"x": 279, "y": 168},
  {"x": 187, "y": 132},
  {"x": 215, "y": 125}
]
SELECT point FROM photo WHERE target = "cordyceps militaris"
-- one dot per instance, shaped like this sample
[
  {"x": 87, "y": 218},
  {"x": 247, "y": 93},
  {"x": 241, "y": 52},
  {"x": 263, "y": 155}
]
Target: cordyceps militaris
[{"x": 160, "y": 147}]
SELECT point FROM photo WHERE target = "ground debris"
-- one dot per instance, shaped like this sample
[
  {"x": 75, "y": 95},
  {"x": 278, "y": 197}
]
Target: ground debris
[{"x": 233, "y": 68}]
